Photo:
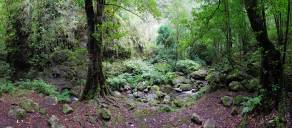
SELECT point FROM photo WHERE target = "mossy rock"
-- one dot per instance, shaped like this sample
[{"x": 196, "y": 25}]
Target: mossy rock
[
  {"x": 227, "y": 101},
  {"x": 155, "y": 88},
  {"x": 185, "y": 87},
  {"x": 105, "y": 114},
  {"x": 253, "y": 84},
  {"x": 235, "y": 86},
  {"x": 67, "y": 109},
  {"x": 29, "y": 105},
  {"x": 178, "y": 103}
]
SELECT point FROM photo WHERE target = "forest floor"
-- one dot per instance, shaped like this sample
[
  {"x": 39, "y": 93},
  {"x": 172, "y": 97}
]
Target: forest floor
[{"x": 123, "y": 115}]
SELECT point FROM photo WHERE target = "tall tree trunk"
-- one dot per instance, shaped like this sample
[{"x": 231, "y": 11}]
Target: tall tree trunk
[
  {"x": 91, "y": 86},
  {"x": 99, "y": 19},
  {"x": 271, "y": 65},
  {"x": 95, "y": 76},
  {"x": 228, "y": 31}
]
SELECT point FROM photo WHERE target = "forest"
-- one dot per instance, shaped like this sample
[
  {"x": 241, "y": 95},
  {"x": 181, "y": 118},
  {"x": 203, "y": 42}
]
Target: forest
[{"x": 145, "y": 64}]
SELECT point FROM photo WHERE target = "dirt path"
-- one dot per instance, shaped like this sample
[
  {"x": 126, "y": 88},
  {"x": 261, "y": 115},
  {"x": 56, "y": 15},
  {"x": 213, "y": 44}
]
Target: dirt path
[{"x": 122, "y": 116}]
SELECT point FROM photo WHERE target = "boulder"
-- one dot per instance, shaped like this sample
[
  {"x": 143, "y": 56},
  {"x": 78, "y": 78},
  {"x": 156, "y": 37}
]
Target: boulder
[
  {"x": 210, "y": 123},
  {"x": 154, "y": 88},
  {"x": 180, "y": 80},
  {"x": 196, "y": 119},
  {"x": 138, "y": 94},
  {"x": 166, "y": 99},
  {"x": 67, "y": 109},
  {"x": 185, "y": 87},
  {"x": 151, "y": 97},
  {"x": 178, "y": 103},
  {"x": 54, "y": 122},
  {"x": 200, "y": 74},
  {"x": 253, "y": 84},
  {"x": 235, "y": 86},
  {"x": 17, "y": 112},
  {"x": 227, "y": 101},
  {"x": 179, "y": 90},
  {"x": 51, "y": 100},
  {"x": 117, "y": 94},
  {"x": 105, "y": 114},
  {"x": 29, "y": 105}
]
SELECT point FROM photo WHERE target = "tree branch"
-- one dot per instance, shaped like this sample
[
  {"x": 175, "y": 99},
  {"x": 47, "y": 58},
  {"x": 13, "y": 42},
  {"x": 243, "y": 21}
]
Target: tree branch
[{"x": 128, "y": 10}]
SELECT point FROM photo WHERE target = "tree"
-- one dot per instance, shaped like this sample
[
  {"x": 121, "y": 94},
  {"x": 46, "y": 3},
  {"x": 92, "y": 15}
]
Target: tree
[
  {"x": 95, "y": 74},
  {"x": 271, "y": 65}
]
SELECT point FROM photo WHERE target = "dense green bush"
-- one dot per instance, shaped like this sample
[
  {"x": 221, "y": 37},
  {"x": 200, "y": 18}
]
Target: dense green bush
[
  {"x": 6, "y": 87},
  {"x": 187, "y": 66},
  {"x": 251, "y": 104},
  {"x": 41, "y": 86}
]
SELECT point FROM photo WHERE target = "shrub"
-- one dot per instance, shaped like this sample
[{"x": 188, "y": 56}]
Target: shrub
[
  {"x": 38, "y": 85},
  {"x": 42, "y": 87},
  {"x": 6, "y": 87},
  {"x": 116, "y": 82},
  {"x": 5, "y": 70},
  {"x": 187, "y": 66},
  {"x": 251, "y": 104}
]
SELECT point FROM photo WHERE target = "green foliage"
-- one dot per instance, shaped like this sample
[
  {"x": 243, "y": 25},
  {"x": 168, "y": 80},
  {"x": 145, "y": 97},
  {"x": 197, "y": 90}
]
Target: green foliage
[
  {"x": 187, "y": 66},
  {"x": 38, "y": 85},
  {"x": 41, "y": 86},
  {"x": 117, "y": 82},
  {"x": 6, "y": 87},
  {"x": 251, "y": 104}
]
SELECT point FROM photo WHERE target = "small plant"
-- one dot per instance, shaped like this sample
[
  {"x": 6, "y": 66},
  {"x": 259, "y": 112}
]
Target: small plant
[
  {"x": 38, "y": 85},
  {"x": 64, "y": 96},
  {"x": 6, "y": 87},
  {"x": 251, "y": 104}
]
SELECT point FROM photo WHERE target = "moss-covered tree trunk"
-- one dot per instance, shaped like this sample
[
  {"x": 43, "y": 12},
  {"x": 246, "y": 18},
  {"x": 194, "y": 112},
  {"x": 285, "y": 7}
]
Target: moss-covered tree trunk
[
  {"x": 95, "y": 76},
  {"x": 271, "y": 66}
]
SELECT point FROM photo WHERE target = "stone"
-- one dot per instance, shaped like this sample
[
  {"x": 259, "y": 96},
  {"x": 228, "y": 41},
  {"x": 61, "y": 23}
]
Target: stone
[
  {"x": 51, "y": 100},
  {"x": 54, "y": 122},
  {"x": 227, "y": 101},
  {"x": 29, "y": 105},
  {"x": 127, "y": 87},
  {"x": 17, "y": 112},
  {"x": 200, "y": 74},
  {"x": 166, "y": 99},
  {"x": 178, "y": 103},
  {"x": 253, "y": 84},
  {"x": 155, "y": 88},
  {"x": 151, "y": 97},
  {"x": 67, "y": 109},
  {"x": 210, "y": 123},
  {"x": 141, "y": 86},
  {"x": 179, "y": 90},
  {"x": 196, "y": 119},
  {"x": 117, "y": 94},
  {"x": 138, "y": 94},
  {"x": 146, "y": 90},
  {"x": 180, "y": 80},
  {"x": 235, "y": 86},
  {"x": 185, "y": 87},
  {"x": 105, "y": 114}
]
